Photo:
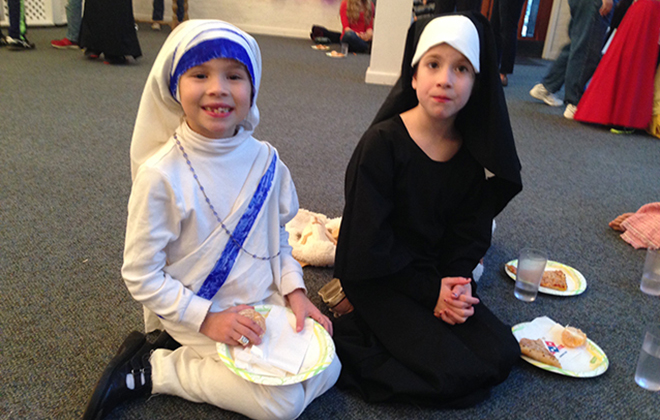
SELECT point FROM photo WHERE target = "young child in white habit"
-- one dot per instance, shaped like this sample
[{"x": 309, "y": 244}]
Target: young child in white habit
[{"x": 205, "y": 234}]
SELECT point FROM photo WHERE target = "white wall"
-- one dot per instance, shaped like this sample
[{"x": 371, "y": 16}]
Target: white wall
[
  {"x": 292, "y": 18},
  {"x": 393, "y": 19}
]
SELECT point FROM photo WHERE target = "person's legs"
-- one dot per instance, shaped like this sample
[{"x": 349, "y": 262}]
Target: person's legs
[
  {"x": 181, "y": 10},
  {"x": 322, "y": 32},
  {"x": 16, "y": 40},
  {"x": 158, "y": 9},
  {"x": 355, "y": 43},
  {"x": 73, "y": 18},
  {"x": 196, "y": 373},
  {"x": 17, "y": 27},
  {"x": 554, "y": 79},
  {"x": 587, "y": 32},
  {"x": 508, "y": 33}
]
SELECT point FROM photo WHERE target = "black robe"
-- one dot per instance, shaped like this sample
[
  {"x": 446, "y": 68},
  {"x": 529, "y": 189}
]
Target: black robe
[
  {"x": 408, "y": 222},
  {"x": 108, "y": 27}
]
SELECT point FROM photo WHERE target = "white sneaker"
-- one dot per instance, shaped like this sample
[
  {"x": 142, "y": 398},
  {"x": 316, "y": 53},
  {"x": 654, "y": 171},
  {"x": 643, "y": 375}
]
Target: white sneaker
[
  {"x": 541, "y": 93},
  {"x": 569, "y": 113},
  {"x": 155, "y": 26}
]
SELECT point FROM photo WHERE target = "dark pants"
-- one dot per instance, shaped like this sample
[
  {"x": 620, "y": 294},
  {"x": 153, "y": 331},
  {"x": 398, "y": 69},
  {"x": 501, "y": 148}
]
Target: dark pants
[
  {"x": 17, "y": 26},
  {"x": 448, "y": 6},
  {"x": 504, "y": 21},
  {"x": 579, "y": 58},
  {"x": 159, "y": 8},
  {"x": 355, "y": 43}
]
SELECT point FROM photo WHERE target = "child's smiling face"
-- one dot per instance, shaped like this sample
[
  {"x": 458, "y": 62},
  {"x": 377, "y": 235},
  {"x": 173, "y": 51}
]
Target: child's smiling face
[
  {"x": 216, "y": 97},
  {"x": 443, "y": 81}
]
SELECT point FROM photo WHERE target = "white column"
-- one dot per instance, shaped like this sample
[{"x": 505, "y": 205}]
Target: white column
[{"x": 393, "y": 18}]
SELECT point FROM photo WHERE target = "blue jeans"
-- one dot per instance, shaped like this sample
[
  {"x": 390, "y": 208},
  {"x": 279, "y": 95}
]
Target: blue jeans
[
  {"x": 355, "y": 43},
  {"x": 579, "y": 58},
  {"x": 73, "y": 18},
  {"x": 159, "y": 8}
]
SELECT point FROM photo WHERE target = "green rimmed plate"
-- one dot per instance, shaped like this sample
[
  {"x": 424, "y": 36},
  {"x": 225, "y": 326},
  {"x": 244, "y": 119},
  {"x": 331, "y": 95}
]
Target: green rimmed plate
[
  {"x": 575, "y": 282},
  {"x": 319, "y": 355},
  {"x": 597, "y": 365}
]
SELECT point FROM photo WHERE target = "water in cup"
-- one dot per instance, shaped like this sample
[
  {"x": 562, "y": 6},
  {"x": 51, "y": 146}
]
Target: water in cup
[
  {"x": 651, "y": 284},
  {"x": 651, "y": 274},
  {"x": 525, "y": 291},
  {"x": 531, "y": 266},
  {"x": 647, "y": 374},
  {"x": 344, "y": 48}
]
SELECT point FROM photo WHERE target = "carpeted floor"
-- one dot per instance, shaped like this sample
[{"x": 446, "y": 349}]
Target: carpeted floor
[{"x": 65, "y": 131}]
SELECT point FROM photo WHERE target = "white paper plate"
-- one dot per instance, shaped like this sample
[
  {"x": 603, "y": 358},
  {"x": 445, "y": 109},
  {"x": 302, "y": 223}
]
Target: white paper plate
[
  {"x": 597, "y": 366},
  {"x": 319, "y": 355},
  {"x": 575, "y": 281}
]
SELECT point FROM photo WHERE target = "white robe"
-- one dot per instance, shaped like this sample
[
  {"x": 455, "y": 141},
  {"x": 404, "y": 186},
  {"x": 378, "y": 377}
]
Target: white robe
[{"x": 173, "y": 241}]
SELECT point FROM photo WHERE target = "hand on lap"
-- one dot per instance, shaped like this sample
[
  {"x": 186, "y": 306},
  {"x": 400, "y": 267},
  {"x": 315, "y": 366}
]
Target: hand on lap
[
  {"x": 228, "y": 326},
  {"x": 302, "y": 307},
  {"x": 455, "y": 303}
]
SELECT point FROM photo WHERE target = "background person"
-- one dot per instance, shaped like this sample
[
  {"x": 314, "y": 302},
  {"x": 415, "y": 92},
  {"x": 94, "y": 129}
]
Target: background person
[
  {"x": 16, "y": 39},
  {"x": 108, "y": 28},
  {"x": 504, "y": 21},
  {"x": 73, "y": 19},
  {"x": 357, "y": 19},
  {"x": 578, "y": 59}
]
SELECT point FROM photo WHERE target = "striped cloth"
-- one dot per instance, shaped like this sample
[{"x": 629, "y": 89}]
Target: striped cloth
[{"x": 642, "y": 229}]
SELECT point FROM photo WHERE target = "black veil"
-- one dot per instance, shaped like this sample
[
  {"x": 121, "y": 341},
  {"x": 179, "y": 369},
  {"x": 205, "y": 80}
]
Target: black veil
[{"x": 483, "y": 122}]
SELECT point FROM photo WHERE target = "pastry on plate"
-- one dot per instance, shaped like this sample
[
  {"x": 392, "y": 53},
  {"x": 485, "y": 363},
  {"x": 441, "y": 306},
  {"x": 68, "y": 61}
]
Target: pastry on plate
[
  {"x": 536, "y": 350},
  {"x": 573, "y": 337},
  {"x": 256, "y": 317},
  {"x": 552, "y": 279}
]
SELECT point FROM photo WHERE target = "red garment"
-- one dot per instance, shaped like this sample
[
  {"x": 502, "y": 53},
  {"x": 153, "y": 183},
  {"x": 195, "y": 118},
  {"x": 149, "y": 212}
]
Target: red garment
[
  {"x": 621, "y": 90},
  {"x": 643, "y": 227},
  {"x": 360, "y": 26}
]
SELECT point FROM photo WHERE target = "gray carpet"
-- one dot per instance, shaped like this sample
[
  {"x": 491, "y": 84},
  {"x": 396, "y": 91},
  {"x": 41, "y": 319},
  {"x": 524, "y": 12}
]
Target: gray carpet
[{"x": 66, "y": 124}]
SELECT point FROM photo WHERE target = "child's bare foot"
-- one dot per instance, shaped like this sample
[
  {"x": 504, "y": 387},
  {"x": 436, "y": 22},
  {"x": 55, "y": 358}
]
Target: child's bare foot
[{"x": 616, "y": 223}]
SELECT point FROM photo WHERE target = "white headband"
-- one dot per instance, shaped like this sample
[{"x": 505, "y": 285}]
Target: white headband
[{"x": 457, "y": 31}]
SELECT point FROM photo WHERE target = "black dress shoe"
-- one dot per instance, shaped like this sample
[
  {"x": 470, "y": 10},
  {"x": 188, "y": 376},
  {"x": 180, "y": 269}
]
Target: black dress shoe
[
  {"x": 98, "y": 405},
  {"x": 165, "y": 341},
  {"x": 132, "y": 361}
]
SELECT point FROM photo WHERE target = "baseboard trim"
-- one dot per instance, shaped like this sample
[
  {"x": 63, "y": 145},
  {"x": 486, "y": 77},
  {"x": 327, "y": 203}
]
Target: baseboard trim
[{"x": 380, "y": 78}]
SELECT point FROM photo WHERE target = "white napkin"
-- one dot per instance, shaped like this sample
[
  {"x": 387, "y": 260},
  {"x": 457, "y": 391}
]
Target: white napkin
[
  {"x": 281, "y": 351},
  {"x": 571, "y": 359}
]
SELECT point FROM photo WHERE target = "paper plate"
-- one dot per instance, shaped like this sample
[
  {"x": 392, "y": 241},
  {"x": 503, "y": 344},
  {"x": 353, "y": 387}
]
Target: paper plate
[
  {"x": 319, "y": 355},
  {"x": 598, "y": 364},
  {"x": 575, "y": 281},
  {"x": 335, "y": 55}
]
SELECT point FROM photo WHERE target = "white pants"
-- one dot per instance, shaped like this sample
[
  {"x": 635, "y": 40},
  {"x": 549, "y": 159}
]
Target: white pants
[{"x": 195, "y": 372}]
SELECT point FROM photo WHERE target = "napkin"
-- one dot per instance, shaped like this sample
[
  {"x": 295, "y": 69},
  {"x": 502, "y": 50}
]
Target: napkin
[
  {"x": 571, "y": 359},
  {"x": 282, "y": 350}
]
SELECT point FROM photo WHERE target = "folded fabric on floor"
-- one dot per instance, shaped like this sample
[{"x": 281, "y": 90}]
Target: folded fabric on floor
[
  {"x": 313, "y": 237},
  {"x": 642, "y": 229}
]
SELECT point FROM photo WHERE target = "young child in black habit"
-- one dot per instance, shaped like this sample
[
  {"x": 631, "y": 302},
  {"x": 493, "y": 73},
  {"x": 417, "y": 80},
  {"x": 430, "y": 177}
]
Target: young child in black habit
[{"x": 422, "y": 189}]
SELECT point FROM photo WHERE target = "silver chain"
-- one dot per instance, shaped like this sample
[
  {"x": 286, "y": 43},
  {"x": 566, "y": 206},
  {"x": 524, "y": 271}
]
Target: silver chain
[{"x": 215, "y": 213}]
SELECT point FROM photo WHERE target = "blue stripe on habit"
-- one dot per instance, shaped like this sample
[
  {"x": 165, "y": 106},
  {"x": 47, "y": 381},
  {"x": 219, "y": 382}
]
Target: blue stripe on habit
[
  {"x": 208, "y": 50},
  {"x": 220, "y": 272}
]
